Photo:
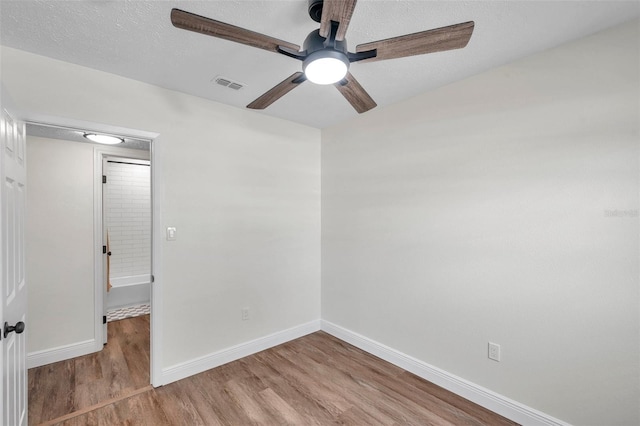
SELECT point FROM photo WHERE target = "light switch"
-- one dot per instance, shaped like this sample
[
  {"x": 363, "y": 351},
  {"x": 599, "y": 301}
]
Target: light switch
[{"x": 171, "y": 233}]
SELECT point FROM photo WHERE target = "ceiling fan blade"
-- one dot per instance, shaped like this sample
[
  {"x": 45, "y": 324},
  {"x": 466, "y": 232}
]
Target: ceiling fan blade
[
  {"x": 337, "y": 11},
  {"x": 355, "y": 94},
  {"x": 202, "y": 25},
  {"x": 278, "y": 91},
  {"x": 436, "y": 40}
]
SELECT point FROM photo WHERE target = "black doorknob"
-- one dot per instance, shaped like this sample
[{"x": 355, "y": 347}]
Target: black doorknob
[{"x": 18, "y": 328}]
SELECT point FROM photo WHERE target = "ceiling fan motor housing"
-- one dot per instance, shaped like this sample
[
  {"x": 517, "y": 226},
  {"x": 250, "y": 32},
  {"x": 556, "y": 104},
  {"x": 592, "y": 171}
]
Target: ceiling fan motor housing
[
  {"x": 315, "y": 47},
  {"x": 315, "y": 41}
]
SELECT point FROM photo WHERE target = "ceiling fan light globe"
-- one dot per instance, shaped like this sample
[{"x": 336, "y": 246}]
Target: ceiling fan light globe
[{"x": 326, "y": 70}]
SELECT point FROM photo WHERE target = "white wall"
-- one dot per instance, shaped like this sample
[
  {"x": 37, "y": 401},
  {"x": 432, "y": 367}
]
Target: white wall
[
  {"x": 59, "y": 241},
  {"x": 486, "y": 211},
  {"x": 242, "y": 189}
]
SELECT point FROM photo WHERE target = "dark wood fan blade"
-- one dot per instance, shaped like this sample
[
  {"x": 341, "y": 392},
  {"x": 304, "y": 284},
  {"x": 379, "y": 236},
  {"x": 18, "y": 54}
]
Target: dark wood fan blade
[
  {"x": 437, "y": 40},
  {"x": 202, "y": 25},
  {"x": 278, "y": 91},
  {"x": 355, "y": 94},
  {"x": 337, "y": 11}
]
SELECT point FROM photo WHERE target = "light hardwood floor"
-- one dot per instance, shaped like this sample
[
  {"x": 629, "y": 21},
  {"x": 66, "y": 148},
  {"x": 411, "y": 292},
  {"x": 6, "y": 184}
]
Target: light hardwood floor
[
  {"x": 68, "y": 386},
  {"x": 314, "y": 380}
]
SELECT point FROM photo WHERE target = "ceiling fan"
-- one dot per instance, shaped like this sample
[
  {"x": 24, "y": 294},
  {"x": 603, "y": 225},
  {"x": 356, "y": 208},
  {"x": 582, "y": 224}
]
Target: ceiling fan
[{"x": 325, "y": 57}]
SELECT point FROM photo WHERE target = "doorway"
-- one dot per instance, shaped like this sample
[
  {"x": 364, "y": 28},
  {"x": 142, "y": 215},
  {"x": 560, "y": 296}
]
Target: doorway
[
  {"x": 77, "y": 362},
  {"x": 126, "y": 227}
]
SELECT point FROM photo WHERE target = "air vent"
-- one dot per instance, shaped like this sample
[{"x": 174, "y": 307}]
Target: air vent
[{"x": 227, "y": 82}]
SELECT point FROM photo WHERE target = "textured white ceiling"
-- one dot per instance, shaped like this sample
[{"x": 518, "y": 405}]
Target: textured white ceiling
[{"x": 135, "y": 39}]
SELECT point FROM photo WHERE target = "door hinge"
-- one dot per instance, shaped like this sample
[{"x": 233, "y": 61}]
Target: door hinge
[
  {"x": 104, "y": 178},
  {"x": 104, "y": 319},
  {"x": 104, "y": 249}
]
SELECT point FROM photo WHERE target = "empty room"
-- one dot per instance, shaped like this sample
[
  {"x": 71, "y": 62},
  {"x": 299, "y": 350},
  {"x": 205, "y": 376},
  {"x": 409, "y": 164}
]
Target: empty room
[{"x": 318, "y": 212}]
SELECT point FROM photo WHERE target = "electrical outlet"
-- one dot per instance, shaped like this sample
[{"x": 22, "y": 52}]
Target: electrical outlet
[
  {"x": 245, "y": 314},
  {"x": 494, "y": 351}
]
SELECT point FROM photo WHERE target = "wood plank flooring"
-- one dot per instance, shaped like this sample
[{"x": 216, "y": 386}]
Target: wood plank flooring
[
  {"x": 314, "y": 380},
  {"x": 68, "y": 386}
]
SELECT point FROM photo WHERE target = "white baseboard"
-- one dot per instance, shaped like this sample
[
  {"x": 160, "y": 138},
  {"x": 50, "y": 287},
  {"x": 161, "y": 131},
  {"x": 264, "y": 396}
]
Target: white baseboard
[
  {"x": 484, "y": 397},
  {"x": 62, "y": 353},
  {"x": 207, "y": 362}
]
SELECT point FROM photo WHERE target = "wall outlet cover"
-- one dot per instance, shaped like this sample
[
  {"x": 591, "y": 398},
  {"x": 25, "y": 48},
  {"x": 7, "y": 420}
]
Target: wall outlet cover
[{"x": 494, "y": 351}]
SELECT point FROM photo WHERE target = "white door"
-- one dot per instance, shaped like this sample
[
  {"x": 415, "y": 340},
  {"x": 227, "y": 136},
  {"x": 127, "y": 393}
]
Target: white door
[{"x": 13, "y": 299}]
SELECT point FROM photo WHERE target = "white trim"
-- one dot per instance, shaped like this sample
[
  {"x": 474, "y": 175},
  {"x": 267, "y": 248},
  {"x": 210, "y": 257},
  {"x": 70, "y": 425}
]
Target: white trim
[
  {"x": 216, "y": 359},
  {"x": 61, "y": 353},
  {"x": 157, "y": 233},
  {"x": 486, "y": 398}
]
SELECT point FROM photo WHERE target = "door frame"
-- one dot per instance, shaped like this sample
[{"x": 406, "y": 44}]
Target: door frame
[
  {"x": 157, "y": 189},
  {"x": 131, "y": 157},
  {"x": 101, "y": 155}
]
